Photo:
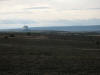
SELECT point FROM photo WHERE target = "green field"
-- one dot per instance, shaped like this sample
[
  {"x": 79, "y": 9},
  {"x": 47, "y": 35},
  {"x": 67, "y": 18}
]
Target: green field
[{"x": 24, "y": 54}]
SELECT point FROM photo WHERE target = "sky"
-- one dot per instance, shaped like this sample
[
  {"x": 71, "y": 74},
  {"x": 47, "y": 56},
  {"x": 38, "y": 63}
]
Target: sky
[{"x": 35, "y": 13}]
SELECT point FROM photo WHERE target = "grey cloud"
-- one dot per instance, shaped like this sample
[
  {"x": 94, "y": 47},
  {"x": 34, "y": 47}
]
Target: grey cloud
[
  {"x": 55, "y": 23},
  {"x": 4, "y": 0},
  {"x": 14, "y": 13},
  {"x": 88, "y": 9},
  {"x": 17, "y": 22},
  {"x": 85, "y": 9},
  {"x": 38, "y": 8},
  {"x": 94, "y": 8},
  {"x": 75, "y": 22}
]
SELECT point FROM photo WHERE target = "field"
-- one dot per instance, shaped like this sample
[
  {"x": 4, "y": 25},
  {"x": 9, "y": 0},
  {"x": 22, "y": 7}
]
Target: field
[{"x": 49, "y": 54}]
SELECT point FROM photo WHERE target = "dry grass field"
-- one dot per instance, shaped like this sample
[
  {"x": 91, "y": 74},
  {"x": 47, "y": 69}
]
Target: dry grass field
[{"x": 47, "y": 54}]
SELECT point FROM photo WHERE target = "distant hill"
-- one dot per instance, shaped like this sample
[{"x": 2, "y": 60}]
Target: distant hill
[
  {"x": 69, "y": 28},
  {"x": 59, "y": 28}
]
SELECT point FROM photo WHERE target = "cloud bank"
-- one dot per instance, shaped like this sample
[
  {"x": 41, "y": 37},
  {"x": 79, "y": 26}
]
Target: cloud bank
[{"x": 49, "y": 12}]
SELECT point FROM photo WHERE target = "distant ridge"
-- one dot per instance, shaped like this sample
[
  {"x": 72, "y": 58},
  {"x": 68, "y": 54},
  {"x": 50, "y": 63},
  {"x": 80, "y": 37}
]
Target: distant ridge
[
  {"x": 69, "y": 28},
  {"x": 59, "y": 28}
]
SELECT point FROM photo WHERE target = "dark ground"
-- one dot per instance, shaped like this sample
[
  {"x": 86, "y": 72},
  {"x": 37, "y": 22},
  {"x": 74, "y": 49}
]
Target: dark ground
[{"x": 36, "y": 54}]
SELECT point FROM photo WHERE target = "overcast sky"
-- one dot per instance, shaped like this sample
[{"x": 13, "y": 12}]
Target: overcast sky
[{"x": 16, "y": 13}]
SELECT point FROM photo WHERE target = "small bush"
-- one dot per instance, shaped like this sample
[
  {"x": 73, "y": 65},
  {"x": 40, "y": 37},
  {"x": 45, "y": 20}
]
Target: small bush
[
  {"x": 12, "y": 35},
  {"x": 5, "y": 37},
  {"x": 97, "y": 42},
  {"x": 28, "y": 34}
]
